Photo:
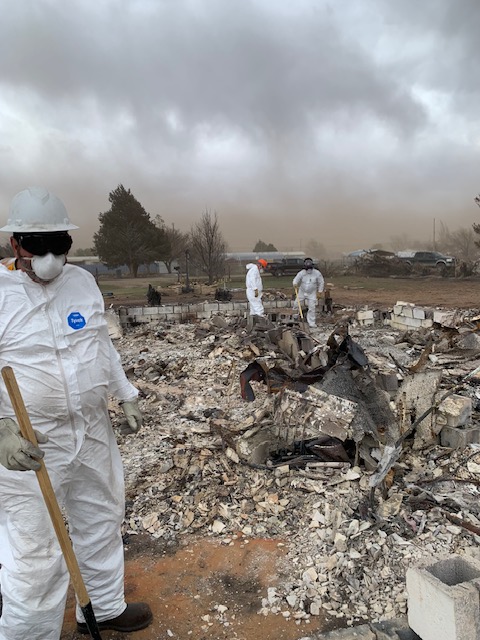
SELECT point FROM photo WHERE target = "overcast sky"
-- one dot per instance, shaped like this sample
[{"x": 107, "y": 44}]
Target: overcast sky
[{"x": 343, "y": 121}]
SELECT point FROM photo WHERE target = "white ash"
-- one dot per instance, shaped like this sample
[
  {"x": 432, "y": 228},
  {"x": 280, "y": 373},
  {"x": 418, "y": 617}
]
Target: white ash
[{"x": 181, "y": 478}]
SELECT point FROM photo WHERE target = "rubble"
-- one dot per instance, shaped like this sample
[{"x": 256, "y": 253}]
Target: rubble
[{"x": 293, "y": 459}]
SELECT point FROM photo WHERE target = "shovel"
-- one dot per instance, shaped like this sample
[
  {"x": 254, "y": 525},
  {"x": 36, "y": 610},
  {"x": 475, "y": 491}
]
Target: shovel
[
  {"x": 300, "y": 311},
  {"x": 52, "y": 505}
]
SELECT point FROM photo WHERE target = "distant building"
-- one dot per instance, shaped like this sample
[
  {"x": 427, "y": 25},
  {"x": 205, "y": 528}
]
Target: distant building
[{"x": 94, "y": 265}]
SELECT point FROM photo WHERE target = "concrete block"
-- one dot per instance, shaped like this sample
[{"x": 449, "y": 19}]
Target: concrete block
[
  {"x": 211, "y": 306},
  {"x": 365, "y": 315},
  {"x": 458, "y": 438},
  {"x": 194, "y": 307},
  {"x": 451, "y": 319},
  {"x": 443, "y": 599},
  {"x": 167, "y": 308},
  {"x": 416, "y": 395},
  {"x": 455, "y": 411},
  {"x": 427, "y": 323},
  {"x": 413, "y": 323},
  {"x": 135, "y": 311},
  {"x": 419, "y": 313},
  {"x": 407, "y": 312},
  {"x": 240, "y": 306},
  {"x": 397, "y": 325}
]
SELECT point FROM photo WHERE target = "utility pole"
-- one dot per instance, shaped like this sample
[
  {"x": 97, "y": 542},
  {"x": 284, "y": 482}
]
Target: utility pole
[{"x": 187, "y": 288}]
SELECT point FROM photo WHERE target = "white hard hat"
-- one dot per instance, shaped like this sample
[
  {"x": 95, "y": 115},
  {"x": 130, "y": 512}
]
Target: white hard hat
[{"x": 35, "y": 210}]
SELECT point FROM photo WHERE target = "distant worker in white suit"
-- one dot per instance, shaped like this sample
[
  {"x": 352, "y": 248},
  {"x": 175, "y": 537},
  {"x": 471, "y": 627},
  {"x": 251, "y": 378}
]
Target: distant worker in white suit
[
  {"x": 308, "y": 284},
  {"x": 254, "y": 285}
]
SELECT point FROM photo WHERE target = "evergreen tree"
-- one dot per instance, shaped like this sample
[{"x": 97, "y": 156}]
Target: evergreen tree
[
  {"x": 127, "y": 235},
  {"x": 262, "y": 246}
]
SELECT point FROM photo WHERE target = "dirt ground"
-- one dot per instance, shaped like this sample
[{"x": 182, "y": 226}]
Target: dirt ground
[
  {"x": 431, "y": 291},
  {"x": 188, "y": 587}
]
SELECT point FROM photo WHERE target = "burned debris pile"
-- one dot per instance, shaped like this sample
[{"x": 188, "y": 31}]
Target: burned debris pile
[{"x": 358, "y": 447}]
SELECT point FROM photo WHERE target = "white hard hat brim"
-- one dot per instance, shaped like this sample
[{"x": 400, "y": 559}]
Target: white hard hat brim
[
  {"x": 37, "y": 210},
  {"x": 11, "y": 227}
]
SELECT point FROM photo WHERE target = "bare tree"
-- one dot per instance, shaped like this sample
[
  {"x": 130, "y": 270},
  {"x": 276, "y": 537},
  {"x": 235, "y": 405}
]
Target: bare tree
[
  {"x": 207, "y": 247},
  {"x": 459, "y": 243},
  {"x": 463, "y": 245},
  {"x": 315, "y": 249},
  {"x": 177, "y": 244}
]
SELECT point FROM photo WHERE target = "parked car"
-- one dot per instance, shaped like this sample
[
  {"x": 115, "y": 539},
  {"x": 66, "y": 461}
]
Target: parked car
[
  {"x": 427, "y": 259},
  {"x": 285, "y": 267}
]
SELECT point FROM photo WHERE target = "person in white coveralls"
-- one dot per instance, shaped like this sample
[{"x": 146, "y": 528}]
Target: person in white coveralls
[
  {"x": 254, "y": 286},
  {"x": 55, "y": 337},
  {"x": 308, "y": 285}
]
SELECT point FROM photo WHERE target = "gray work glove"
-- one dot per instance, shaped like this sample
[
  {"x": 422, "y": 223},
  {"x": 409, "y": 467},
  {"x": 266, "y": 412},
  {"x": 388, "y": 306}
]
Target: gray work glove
[
  {"x": 16, "y": 453},
  {"x": 132, "y": 414}
]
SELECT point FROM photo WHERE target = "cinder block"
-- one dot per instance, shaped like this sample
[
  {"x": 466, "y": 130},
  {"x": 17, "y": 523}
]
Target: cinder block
[
  {"x": 427, "y": 323},
  {"x": 443, "y": 599},
  {"x": 168, "y": 308},
  {"x": 413, "y": 323},
  {"x": 458, "y": 438},
  {"x": 419, "y": 313},
  {"x": 194, "y": 307},
  {"x": 407, "y": 312},
  {"x": 365, "y": 315},
  {"x": 455, "y": 411},
  {"x": 211, "y": 306}
]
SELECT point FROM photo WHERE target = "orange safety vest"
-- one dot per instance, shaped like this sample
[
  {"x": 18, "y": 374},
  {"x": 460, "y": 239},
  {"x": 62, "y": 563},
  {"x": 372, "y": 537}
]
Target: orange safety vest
[{"x": 9, "y": 263}]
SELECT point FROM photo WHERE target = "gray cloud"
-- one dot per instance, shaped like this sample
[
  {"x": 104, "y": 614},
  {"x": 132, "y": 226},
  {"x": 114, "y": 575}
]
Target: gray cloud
[{"x": 303, "y": 119}]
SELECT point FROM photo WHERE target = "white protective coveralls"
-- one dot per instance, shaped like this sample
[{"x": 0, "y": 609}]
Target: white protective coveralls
[
  {"x": 253, "y": 282},
  {"x": 55, "y": 337},
  {"x": 309, "y": 282}
]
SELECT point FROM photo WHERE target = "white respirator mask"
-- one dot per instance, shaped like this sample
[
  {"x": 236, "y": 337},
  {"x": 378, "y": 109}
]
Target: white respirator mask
[{"x": 48, "y": 267}]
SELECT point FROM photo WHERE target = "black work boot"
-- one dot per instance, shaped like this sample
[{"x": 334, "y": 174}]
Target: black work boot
[{"x": 136, "y": 616}]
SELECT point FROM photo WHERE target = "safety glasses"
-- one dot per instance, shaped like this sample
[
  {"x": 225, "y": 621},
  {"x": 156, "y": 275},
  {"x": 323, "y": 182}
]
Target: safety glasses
[{"x": 57, "y": 242}]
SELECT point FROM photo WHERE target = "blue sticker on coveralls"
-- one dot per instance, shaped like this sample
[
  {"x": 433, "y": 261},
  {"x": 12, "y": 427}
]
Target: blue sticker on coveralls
[{"x": 76, "y": 320}]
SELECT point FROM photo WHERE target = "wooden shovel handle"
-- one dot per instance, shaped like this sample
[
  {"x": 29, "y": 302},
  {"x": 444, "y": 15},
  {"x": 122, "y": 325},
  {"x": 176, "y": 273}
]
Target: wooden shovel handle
[{"x": 28, "y": 433}]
